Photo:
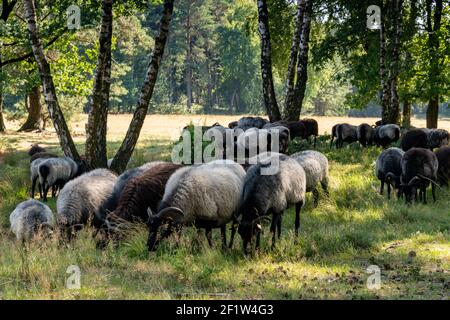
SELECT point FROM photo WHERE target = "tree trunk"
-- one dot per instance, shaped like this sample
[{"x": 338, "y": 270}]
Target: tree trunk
[
  {"x": 293, "y": 113},
  {"x": 65, "y": 138},
  {"x": 34, "y": 111},
  {"x": 122, "y": 157},
  {"x": 293, "y": 57},
  {"x": 188, "y": 58},
  {"x": 433, "y": 112},
  {"x": 270, "y": 100},
  {"x": 2, "y": 122},
  {"x": 99, "y": 101},
  {"x": 385, "y": 99},
  {"x": 406, "y": 117},
  {"x": 433, "y": 46},
  {"x": 394, "y": 70}
]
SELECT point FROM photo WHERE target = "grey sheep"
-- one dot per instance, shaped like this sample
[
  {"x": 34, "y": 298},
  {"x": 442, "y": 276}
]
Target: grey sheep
[
  {"x": 315, "y": 165},
  {"x": 80, "y": 200},
  {"x": 265, "y": 194},
  {"x": 438, "y": 138},
  {"x": 419, "y": 168},
  {"x": 386, "y": 134},
  {"x": 388, "y": 169},
  {"x": 30, "y": 218},
  {"x": 251, "y": 122},
  {"x": 34, "y": 176},
  {"x": 346, "y": 133},
  {"x": 206, "y": 195},
  {"x": 56, "y": 172}
]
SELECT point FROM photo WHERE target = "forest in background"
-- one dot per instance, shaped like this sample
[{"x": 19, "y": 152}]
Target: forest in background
[{"x": 212, "y": 59}]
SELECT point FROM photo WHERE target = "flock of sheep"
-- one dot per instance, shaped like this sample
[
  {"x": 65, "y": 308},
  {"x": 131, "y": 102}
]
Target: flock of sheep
[{"x": 170, "y": 196}]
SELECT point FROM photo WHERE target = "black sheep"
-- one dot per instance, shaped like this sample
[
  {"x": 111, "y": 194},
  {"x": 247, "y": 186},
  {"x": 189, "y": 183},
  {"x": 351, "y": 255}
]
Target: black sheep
[
  {"x": 443, "y": 156},
  {"x": 414, "y": 138},
  {"x": 312, "y": 128},
  {"x": 365, "y": 134}
]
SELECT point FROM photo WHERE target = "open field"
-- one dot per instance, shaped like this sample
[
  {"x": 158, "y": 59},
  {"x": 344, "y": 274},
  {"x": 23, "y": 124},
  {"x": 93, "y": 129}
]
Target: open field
[{"x": 352, "y": 229}]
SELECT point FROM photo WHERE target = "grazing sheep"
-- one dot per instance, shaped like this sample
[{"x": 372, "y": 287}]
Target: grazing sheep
[
  {"x": 414, "y": 138},
  {"x": 233, "y": 124},
  {"x": 263, "y": 144},
  {"x": 388, "y": 169},
  {"x": 312, "y": 128},
  {"x": 270, "y": 193},
  {"x": 79, "y": 201},
  {"x": 315, "y": 165},
  {"x": 206, "y": 195},
  {"x": 443, "y": 156},
  {"x": 386, "y": 134},
  {"x": 438, "y": 138},
  {"x": 35, "y": 148},
  {"x": 251, "y": 122},
  {"x": 56, "y": 172},
  {"x": 296, "y": 128},
  {"x": 346, "y": 133},
  {"x": 365, "y": 134},
  {"x": 142, "y": 192},
  {"x": 34, "y": 176},
  {"x": 30, "y": 218},
  {"x": 419, "y": 168},
  {"x": 111, "y": 203}
]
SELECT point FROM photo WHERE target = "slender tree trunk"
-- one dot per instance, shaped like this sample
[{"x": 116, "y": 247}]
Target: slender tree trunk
[
  {"x": 385, "y": 99},
  {"x": 270, "y": 100},
  {"x": 99, "y": 101},
  {"x": 394, "y": 70},
  {"x": 293, "y": 57},
  {"x": 34, "y": 111},
  {"x": 406, "y": 117},
  {"x": 293, "y": 113},
  {"x": 2, "y": 122},
  {"x": 433, "y": 46},
  {"x": 51, "y": 99},
  {"x": 122, "y": 157},
  {"x": 189, "y": 58}
]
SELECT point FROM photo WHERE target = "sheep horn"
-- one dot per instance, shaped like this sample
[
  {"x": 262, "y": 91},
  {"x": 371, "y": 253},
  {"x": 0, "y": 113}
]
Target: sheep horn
[
  {"x": 414, "y": 179},
  {"x": 390, "y": 176},
  {"x": 149, "y": 212},
  {"x": 432, "y": 181},
  {"x": 260, "y": 218},
  {"x": 172, "y": 213}
]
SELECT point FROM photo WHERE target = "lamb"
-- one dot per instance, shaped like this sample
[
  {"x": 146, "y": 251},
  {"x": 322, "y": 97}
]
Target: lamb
[
  {"x": 443, "y": 156},
  {"x": 388, "y": 169},
  {"x": 31, "y": 218},
  {"x": 315, "y": 165},
  {"x": 365, "y": 134},
  {"x": 79, "y": 201},
  {"x": 312, "y": 128},
  {"x": 386, "y": 134},
  {"x": 345, "y": 133},
  {"x": 438, "y": 138},
  {"x": 414, "y": 138},
  {"x": 206, "y": 195},
  {"x": 419, "y": 168},
  {"x": 270, "y": 193},
  {"x": 35, "y": 148},
  {"x": 56, "y": 172},
  {"x": 111, "y": 203},
  {"x": 141, "y": 192}
]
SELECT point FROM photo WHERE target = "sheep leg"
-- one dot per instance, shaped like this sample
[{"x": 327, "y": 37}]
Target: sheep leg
[
  {"x": 298, "y": 207},
  {"x": 315, "y": 141},
  {"x": 325, "y": 188},
  {"x": 46, "y": 188},
  {"x": 233, "y": 233},
  {"x": 33, "y": 187},
  {"x": 315, "y": 196},
  {"x": 433, "y": 192},
  {"x": 424, "y": 191},
  {"x": 223, "y": 233},
  {"x": 273, "y": 228},
  {"x": 208, "y": 233},
  {"x": 382, "y": 187},
  {"x": 389, "y": 190},
  {"x": 280, "y": 218}
]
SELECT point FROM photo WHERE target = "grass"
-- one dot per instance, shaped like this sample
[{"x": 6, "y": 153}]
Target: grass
[{"x": 339, "y": 239}]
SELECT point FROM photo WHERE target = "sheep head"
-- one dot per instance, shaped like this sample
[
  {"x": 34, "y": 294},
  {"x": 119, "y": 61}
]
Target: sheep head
[
  {"x": 162, "y": 225},
  {"x": 409, "y": 189}
]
